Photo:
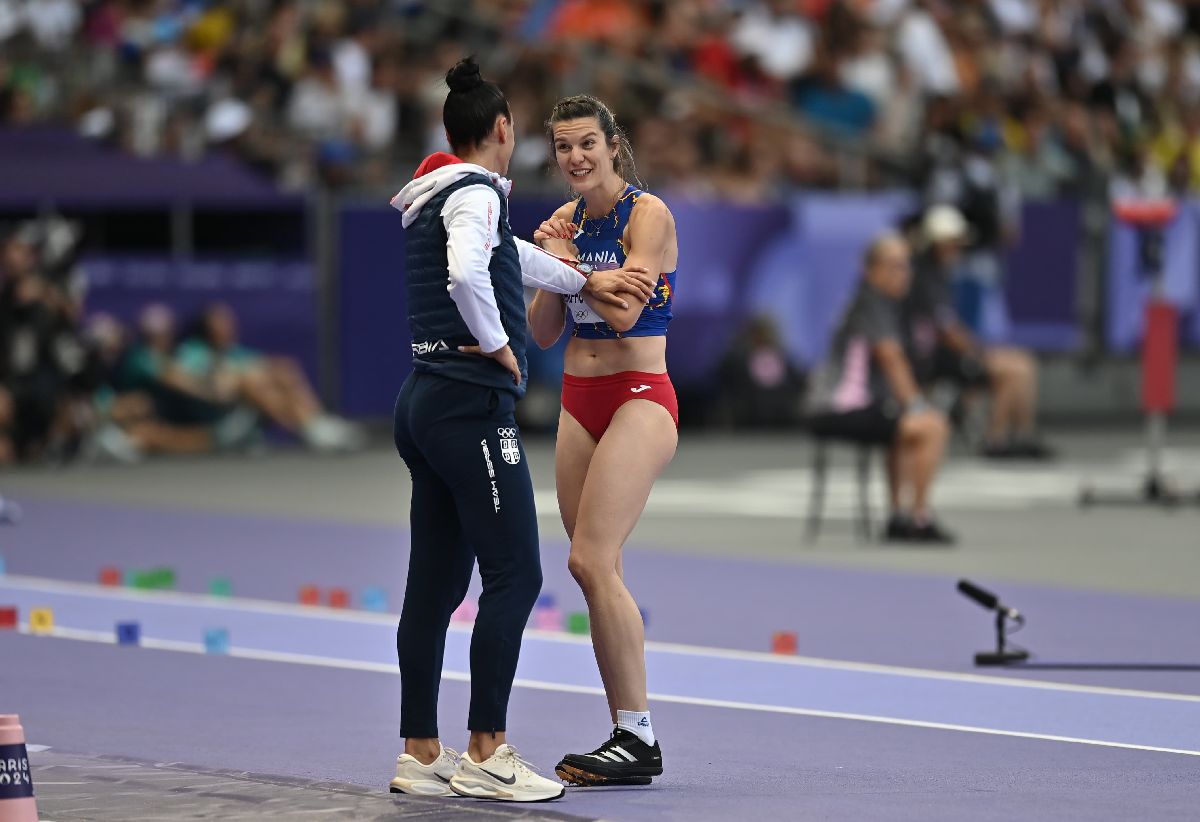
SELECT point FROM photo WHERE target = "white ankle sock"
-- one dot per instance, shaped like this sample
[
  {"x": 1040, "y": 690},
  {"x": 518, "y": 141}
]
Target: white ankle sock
[{"x": 637, "y": 723}]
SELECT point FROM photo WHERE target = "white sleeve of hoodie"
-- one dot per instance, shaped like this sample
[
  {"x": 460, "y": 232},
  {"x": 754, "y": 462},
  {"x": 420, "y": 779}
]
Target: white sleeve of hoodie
[
  {"x": 541, "y": 269},
  {"x": 472, "y": 218}
]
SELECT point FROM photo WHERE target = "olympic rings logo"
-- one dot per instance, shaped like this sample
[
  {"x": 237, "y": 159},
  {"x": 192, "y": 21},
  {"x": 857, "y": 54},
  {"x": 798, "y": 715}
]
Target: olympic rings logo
[{"x": 507, "y": 433}]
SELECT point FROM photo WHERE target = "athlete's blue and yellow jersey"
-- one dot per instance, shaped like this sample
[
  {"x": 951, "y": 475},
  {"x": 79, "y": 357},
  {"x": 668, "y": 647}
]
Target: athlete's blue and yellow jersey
[{"x": 600, "y": 241}]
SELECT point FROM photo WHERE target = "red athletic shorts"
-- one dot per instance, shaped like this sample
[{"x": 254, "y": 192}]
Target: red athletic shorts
[{"x": 594, "y": 400}]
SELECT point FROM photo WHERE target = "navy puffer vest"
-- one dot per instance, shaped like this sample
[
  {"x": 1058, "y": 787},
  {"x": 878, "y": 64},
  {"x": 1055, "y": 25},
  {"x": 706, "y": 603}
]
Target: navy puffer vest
[{"x": 437, "y": 327}]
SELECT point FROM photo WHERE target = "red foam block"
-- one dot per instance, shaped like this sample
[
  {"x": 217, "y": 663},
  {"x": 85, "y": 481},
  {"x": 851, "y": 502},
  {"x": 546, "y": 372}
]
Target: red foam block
[
  {"x": 8, "y": 618},
  {"x": 783, "y": 642}
]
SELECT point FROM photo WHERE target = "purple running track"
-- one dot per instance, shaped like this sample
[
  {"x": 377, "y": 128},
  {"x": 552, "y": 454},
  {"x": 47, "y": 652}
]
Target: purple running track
[
  {"x": 896, "y": 619},
  {"x": 340, "y": 725}
]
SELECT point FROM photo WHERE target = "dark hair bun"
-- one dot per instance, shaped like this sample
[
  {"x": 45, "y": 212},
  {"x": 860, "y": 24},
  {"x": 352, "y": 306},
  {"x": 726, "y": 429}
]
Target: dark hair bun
[{"x": 464, "y": 75}]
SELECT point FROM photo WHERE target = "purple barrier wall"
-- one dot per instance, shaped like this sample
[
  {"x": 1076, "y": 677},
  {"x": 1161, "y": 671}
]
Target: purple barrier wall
[
  {"x": 275, "y": 300},
  {"x": 719, "y": 250},
  {"x": 1040, "y": 277},
  {"x": 808, "y": 272},
  {"x": 40, "y": 165},
  {"x": 375, "y": 355},
  {"x": 797, "y": 264}
]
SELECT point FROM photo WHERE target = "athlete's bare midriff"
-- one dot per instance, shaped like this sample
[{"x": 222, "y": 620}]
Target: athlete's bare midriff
[{"x": 599, "y": 358}]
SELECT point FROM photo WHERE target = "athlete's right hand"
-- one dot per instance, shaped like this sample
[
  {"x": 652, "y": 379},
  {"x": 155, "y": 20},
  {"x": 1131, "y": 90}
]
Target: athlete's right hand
[
  {"x": 503, "y": 355},
  {"x": 555, "y": 228}
]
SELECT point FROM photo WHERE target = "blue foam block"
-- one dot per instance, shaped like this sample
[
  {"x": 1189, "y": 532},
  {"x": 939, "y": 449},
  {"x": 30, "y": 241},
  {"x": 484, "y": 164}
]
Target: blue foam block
[
  {"x": 546, "y": 601},
  {"x": 216, "y": 641},
  {"x": 375, "y": 599},
  {"x": 129, "y": 633}
]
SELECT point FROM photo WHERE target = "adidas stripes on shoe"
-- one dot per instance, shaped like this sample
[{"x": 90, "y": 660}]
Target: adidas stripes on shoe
[{"x": 622, "y": 760}]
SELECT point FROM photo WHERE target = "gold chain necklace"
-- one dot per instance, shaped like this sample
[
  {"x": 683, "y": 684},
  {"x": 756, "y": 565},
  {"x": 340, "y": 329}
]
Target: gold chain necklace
[{"x": 600, "y": 223}]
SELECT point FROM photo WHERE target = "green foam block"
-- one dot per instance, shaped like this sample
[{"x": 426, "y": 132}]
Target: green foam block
[
  {"x": 155, "y": 579},
  {"x": 578, "y": 623}
]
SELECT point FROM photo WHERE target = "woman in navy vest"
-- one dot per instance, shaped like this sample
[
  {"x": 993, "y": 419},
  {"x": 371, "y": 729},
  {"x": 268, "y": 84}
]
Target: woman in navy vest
[
  {"x": 617, "y": 429},
  {"x": 472, "y": 498}
]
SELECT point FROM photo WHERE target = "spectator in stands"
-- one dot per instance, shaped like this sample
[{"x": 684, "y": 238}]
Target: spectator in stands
[
  {"x": 41, "y": 354},
  {"x": 825, "y": 99},
  {"x": 129, "y": 424},
  {"x": 941, "y": 347},
  {"x": 760, "y": 386},
  {"x": 866, "y": 392},
  {"x": 149, "y": 368},
  {"x": 274, "y": 386}
]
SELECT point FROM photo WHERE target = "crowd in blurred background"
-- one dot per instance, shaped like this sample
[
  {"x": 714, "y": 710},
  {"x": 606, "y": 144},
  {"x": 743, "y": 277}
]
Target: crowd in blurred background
[
  {"x": 730, "y": 98},
  {"x": 975, "y": 104},
  {"x": 74, "y": 388}
]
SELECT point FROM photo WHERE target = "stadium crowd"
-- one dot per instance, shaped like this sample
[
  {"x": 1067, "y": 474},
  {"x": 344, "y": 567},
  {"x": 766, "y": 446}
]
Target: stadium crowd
[
  {"x": 974, "y": 104},
  {"x": 730, "y": 98}
]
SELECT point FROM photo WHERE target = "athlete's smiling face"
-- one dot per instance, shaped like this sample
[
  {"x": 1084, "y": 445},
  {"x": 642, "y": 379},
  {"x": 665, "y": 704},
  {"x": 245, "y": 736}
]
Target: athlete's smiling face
[{"x": 584, "y": 154}]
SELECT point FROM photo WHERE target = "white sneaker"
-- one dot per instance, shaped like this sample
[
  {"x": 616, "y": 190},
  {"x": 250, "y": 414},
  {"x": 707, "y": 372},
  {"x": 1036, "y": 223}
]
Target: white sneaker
[
  {"x": 505, "y": 776},
  {"x": 427, "y": 780}
]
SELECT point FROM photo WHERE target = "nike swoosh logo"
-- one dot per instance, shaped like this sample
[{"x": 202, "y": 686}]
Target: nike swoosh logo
[
  {"x": 510, "y": 781},
  {"x": 444, "y": 779},
  {"x": 640, "y": 389}
]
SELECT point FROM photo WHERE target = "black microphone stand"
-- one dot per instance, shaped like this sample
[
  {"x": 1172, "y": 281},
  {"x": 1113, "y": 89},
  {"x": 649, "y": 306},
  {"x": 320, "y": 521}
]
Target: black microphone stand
[{"x": 1002, "y": 656}]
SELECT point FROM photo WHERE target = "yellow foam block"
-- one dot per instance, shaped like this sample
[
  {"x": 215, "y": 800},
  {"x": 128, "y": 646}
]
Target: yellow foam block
[{"x": 41, "y": 621}]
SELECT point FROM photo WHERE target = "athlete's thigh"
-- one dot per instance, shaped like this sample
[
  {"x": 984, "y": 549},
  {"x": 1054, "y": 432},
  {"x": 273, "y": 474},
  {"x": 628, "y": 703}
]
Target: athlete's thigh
[
  {"x": 573, "y": 451},
  {"x": 637, "y": 446}
]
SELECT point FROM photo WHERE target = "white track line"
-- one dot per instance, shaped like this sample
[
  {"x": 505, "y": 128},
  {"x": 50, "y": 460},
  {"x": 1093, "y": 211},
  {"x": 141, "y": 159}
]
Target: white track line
[
  {"x": 180, "y": 598},
  {"x": 534, "y": 684}
]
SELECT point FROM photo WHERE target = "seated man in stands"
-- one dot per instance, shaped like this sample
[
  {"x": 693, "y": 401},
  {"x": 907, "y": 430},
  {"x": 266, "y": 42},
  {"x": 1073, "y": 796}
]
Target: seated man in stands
[
  {"x": 866, "y": 392},
  {"x": 942, "y": 347},
  {"x": 274, "y": 386}
]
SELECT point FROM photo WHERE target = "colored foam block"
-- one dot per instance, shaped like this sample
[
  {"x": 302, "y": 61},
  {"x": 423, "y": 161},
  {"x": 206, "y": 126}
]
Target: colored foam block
[
  {"x": 41, "y": 621},
  {"x": 375, "y": 599},
  {"x": 154, "y": 579},
  {"x": 309, "y": 595},
  {"x": 546, "y": 601},
  {"x": 110, "y": 576},
  {"x": 129, "y": 633},
  {"x": 216, "y": 641},
  {"x": 466, "y": 611},
  {"x": 220, "y": 587},
  {"x": 578, "y": 623},
  {"x": 783, "y": 642},
  {"x": 8, "y": 618},
  {"x": 339, "y": 598},
  {"x": 3, "y": 567},
  {"x": 548, "y": 619}
]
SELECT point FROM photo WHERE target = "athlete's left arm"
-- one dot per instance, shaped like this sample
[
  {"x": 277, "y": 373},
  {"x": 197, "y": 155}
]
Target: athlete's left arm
[{"x": 651, "y": 232}]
